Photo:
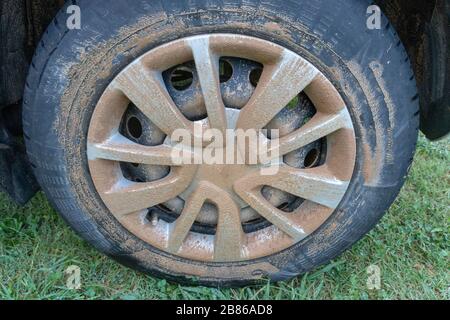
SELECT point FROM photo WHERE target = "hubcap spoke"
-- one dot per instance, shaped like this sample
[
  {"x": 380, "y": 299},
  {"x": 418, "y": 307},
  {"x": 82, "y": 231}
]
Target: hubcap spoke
[
  {"x": 119, "y": 148},
  {"x": 126, "y": 197},
  {"x": 207, "y": 64},
  {"x": 317, "y": 185},
  {"x": 277, "y": 217},
  {"x": 229, "y": 235},
  {"x": 146, "y": 89},
  {"x": 183, "y": 224},
  {"x": 279, "y": 84},
  {"x": 320, "y": 126}
]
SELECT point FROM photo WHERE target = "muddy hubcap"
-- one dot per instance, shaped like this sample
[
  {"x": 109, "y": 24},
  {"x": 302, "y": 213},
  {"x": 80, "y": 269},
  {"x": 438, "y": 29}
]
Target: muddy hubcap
[{"x": 221, "y": 212}]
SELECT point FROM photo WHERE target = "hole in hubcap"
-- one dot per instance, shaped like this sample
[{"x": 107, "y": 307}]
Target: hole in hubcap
[
  {"x": 312, "y": 158},
  {"x": 226, "y": 71},
  {"x": 182, "y": 78},
  {"x": 134, "y": 127},
  {"x": 255, "y": 75}
]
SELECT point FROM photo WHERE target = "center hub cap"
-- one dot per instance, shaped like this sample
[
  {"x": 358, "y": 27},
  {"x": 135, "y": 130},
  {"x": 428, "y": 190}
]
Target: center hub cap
[{"x": 224, "y": 174}]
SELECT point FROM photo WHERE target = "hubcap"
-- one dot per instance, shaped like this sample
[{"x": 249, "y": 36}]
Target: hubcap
[{"x": 221, "y": 212}]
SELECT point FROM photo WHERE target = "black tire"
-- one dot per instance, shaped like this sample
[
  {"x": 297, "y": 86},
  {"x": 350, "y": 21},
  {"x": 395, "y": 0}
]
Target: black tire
[{"x": 370, "y": 68}]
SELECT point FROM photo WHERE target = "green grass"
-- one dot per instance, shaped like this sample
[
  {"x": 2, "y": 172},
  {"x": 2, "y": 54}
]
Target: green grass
[{"x": 410, "y": 246}]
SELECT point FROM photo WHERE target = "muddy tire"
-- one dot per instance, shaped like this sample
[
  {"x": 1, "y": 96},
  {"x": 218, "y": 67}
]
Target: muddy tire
[{"x": 369, "y": 69}]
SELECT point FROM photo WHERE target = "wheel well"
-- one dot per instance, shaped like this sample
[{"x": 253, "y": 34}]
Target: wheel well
[
  {"x": 409, "y": 18},
  {"x": 423, "y": 29},
  {"x": 22, "y": 23}
]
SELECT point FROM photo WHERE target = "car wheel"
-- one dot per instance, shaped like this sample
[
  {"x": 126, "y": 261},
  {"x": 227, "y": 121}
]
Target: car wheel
[{"x": 101, "y": 104}]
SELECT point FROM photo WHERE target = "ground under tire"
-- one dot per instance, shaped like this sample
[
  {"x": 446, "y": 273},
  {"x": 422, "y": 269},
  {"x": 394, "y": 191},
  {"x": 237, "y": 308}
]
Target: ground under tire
[{"x": 370, "y": 69}]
